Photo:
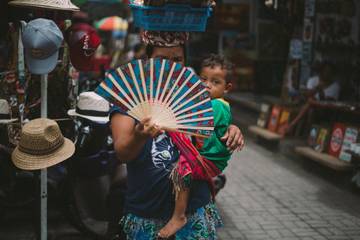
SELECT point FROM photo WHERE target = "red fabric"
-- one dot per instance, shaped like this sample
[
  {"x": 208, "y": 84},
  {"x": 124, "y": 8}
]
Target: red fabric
[{"x": 191, "y": 162}]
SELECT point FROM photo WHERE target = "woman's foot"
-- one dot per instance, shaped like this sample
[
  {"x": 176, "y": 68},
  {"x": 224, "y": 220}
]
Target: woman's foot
[{"x": 174, "y": 225}]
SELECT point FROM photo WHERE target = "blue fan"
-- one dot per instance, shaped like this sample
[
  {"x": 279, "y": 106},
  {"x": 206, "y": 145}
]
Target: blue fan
[{"x": 171, "y": 94}]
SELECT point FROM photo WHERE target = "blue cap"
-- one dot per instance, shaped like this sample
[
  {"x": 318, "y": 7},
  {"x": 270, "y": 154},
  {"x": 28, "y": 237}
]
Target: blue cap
[{"x": 42, "y": 39}]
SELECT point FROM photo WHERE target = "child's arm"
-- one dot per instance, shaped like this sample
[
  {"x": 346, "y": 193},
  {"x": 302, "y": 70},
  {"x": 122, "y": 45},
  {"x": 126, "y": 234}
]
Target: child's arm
[{"x": 129, "y": 137}]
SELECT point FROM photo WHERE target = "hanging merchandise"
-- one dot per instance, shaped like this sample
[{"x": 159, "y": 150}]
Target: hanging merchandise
[
  {"x": 83, "y": 42},
  {"x": 171, "y": 94},
  {"x": 41, "y": 145},
  {"x": 4, "y": 55},
  {"x": 64, "y": 5},
  {"x": 21, "y": 61},
  {"x": 92, "y": 107},
  {"x": 5, "y": 116},
  {"x": 65, "y": 54},
  {"x": 42, "y": 40},
  {"x": 73, "y": 86}
]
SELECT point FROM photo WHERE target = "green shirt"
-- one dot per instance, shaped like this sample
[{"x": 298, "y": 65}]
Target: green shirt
[{"x": 213, "y": 148}]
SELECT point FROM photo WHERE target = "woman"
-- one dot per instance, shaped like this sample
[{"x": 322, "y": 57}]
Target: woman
[{"x": 150, "y": 156}]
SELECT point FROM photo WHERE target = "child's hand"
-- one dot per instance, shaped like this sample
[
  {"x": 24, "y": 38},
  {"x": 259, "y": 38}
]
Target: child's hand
[
  {"x": 148, "y": 129},
  {"x": 233, "y": 138}
]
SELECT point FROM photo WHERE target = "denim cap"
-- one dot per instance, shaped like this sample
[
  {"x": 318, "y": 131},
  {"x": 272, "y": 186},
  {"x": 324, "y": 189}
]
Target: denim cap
[{"x": 42, "y": 39}]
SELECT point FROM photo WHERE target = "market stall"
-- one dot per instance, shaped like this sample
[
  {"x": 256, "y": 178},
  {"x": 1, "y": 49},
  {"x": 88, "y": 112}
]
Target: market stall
[
  {"x": 41, "y": 55},
  {"x": 333, "y": 126},
  {"x": 322, "y": 50}
]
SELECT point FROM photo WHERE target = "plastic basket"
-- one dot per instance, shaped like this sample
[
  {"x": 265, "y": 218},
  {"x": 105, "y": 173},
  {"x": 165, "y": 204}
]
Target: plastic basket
[{"x": 171, "y": 17}]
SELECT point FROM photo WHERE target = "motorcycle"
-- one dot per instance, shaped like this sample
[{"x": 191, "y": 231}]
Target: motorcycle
[{"x": 90, "y": 183}]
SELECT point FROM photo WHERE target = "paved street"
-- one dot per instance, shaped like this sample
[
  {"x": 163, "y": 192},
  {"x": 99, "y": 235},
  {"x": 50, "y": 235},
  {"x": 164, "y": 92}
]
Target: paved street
[{"x": 269, "y": 196}]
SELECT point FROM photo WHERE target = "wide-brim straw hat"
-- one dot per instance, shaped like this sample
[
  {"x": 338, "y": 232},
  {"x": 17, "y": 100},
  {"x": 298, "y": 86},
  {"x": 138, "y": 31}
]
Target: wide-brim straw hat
[
  {"x": 65, "y": 5},
  {"x": 41, "y": 145}
]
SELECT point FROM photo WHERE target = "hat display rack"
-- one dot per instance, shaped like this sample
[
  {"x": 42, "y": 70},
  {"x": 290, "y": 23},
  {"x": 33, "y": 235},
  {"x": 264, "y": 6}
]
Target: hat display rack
[{"x": 57, "y": 5}]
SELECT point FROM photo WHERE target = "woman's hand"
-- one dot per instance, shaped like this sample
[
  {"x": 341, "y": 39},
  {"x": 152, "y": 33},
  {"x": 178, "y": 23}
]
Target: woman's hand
[
  {"x": 233, "y": 138},
  {"x": 129, "y": 137},
  {"x": 148, "y": 129}
]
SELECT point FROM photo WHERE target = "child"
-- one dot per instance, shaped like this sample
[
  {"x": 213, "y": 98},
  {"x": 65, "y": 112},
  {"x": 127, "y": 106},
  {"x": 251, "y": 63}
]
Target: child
[{"x": 215, "y": 73}]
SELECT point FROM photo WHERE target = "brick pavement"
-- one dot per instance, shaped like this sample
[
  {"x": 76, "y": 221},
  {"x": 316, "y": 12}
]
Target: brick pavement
[
  {"x": 267, "y": 196},
  {"x": 270, "y": 196}
]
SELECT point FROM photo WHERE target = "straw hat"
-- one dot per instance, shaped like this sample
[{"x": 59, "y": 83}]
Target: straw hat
[
  {"x": 41, "y": 145},
  {"x": 91, "y": 106},
  {"x": 5, "y": 112},
  {"x": 65, "y": 5}
]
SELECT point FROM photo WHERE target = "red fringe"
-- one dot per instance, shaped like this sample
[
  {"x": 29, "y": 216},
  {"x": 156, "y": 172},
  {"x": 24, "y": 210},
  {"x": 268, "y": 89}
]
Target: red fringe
[{"x": 191, "y": 162}]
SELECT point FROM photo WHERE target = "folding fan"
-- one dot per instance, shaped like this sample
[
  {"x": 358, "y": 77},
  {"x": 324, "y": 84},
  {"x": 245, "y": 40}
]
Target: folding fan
[{"x": 171, "y": 94}]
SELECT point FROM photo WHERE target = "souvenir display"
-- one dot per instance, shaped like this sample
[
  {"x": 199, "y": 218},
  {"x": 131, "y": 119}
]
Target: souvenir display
[
  {"x": 274, "y": 118},
  {"x": 264, "y": 115},
  {"x": 283, "y": 121},
  {"x": 336, "y": 140},
  {"x": 171, "y": 94},
  {"x": 322, "y": 140},
  {"x": 41, "y": 145},
  {"x": 92, "y": 107},
  {"x": 351, "y": 136},
  {"x": 83, "y": 41},
  {"x": 5, "y": 114},
  {"x": 42, "y": 40}
]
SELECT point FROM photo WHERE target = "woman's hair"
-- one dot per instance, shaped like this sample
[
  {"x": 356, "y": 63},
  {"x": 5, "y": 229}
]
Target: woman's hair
[
  {"x": 150, "y": 50},
  {"x": 214, "y": 60}
]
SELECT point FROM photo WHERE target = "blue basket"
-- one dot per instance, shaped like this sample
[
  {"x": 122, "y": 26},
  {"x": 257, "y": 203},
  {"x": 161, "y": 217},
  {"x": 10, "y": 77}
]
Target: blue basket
[{"x": 171, "y": 17}]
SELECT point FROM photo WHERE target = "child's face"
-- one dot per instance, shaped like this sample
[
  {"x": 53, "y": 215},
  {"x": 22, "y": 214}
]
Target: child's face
[{"x": 215, "y": 81}]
